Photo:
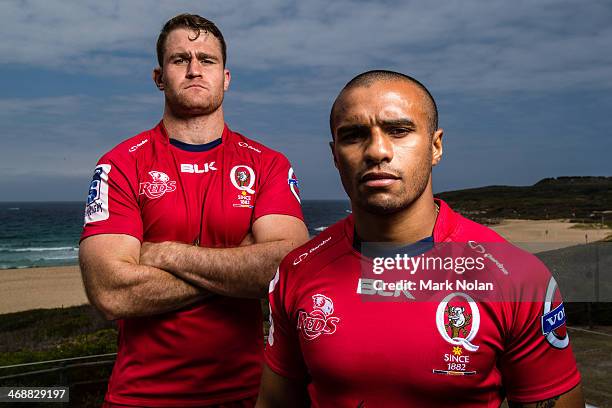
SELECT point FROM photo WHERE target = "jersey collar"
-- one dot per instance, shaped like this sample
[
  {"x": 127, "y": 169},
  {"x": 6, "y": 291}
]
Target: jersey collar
[
  {"x": 160, "y": 130},
  {"x": 445, "y": 225}
]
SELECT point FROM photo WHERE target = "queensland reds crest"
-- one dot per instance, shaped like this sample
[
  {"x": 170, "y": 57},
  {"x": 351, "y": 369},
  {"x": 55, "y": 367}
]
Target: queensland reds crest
[
  {"x": 457, "y": 321},
  {"x": 159, "y": 185},
  {"x": 294, "y": 184},
  {"x": 320, "y": 320},
  {"x": 553, "y": 318},
  {"x": 243, "y": 178}
]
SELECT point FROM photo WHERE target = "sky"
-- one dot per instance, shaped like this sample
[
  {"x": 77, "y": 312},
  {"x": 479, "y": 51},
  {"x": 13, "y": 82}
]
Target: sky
[{"x": 523, "y": 87}]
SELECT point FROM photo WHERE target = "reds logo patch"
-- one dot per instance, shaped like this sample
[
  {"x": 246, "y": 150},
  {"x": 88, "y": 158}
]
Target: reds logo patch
[
  {"x": 320, "y": 320},
  {"x": 458, "y": 320},
  {"x": 160, "y": 185},
  {"x": 243, "y": 178}
]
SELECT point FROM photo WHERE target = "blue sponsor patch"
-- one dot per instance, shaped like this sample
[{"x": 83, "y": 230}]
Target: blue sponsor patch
[
  {"x": 553, "y": 319},
  {"x": 94, "y": 186}
]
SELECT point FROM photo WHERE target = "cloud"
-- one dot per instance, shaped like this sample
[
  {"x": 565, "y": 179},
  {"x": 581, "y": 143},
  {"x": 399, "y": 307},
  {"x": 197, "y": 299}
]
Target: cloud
[
  {"x": 470, "y": 45},
  {"x": 65, "y": 135}
]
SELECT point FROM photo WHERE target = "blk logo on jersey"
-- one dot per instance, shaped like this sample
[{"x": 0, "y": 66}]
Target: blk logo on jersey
[
  {"x": 553, "y": 318},
  {"x": 158, "y": 186},
  {"x": 198, "y": 168},
  {"x": 320, "y": 320}
]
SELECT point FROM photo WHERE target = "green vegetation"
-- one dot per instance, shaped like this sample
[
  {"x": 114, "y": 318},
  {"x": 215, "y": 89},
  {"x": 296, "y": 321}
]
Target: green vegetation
[
  {"x": 52, "y": 334},
  {"x": 584, "y": 199}
]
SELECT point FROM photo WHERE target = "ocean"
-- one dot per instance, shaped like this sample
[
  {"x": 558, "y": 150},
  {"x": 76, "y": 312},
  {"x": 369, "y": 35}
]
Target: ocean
[{"x": 47, "y": 234}]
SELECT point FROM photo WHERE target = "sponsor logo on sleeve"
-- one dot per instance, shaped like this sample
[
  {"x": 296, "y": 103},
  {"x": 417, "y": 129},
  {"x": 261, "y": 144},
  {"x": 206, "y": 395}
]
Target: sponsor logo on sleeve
[
  {"x": 96, "y": 208},
  {"x": 320, "y": 320},
  {"x": 294, "y": 184},
  {"x": 137, "y": 145},
  {"x": 553, "y": 318},
  {"x": 248, "y": 146},
  {"x": 159, "y": 185},
  {"x": 303, "y": 256}
]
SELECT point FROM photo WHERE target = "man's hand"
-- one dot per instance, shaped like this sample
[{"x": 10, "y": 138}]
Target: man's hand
[
  {"x": 152, "y": 253},
  {"x": 243, "y": 271},
  {"x": 120, "y": 287}
]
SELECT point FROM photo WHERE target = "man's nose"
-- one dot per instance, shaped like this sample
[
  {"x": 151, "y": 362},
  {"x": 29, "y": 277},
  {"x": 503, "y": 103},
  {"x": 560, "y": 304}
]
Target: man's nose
[
  {"x": 379, "y": 148},
  {"x": 194, "y": 69}
]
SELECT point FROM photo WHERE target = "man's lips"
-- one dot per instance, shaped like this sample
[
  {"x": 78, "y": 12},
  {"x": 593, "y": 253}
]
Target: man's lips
[
  {"x": 378, "y": 179},
  {"x": 195, "y": 86}
]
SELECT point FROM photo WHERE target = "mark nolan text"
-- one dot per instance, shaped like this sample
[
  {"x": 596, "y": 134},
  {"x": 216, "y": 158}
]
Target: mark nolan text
[{"x": 404, "y": 284}]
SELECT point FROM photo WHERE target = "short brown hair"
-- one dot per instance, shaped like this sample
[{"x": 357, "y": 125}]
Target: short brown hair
[
  {"x": 193, "y": 22},
  {"x": 368, "y": 78}
]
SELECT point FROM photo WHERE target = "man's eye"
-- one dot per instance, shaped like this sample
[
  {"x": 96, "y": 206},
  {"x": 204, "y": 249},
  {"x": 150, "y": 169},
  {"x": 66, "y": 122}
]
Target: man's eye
[
  {"x": 180, "y": 61},
  {"x": 398, "y": 131},
  {"x": 351, "y": 137},
  {"x": 207, "y": 61}
]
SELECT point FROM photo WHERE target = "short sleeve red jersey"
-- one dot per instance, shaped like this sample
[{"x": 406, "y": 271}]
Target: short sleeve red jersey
[
  {"x": 148, "y": 188},
  {"x": 357, "y": 345}
]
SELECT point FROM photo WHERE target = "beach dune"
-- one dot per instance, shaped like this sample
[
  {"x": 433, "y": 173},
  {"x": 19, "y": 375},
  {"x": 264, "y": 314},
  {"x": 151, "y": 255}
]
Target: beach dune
[
  {"x": 40, "y": 288},
  {"x": 546, "y": 235}
]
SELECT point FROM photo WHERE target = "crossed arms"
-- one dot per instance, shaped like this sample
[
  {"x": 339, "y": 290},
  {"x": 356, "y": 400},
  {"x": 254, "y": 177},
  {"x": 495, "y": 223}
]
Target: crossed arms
[{"x": 124, "y": 278}]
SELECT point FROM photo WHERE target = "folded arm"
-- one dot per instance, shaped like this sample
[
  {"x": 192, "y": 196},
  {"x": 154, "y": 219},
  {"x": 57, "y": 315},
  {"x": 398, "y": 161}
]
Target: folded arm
[
  {"x": 243, "y": 271},
  {"x": 120, "y": 287}
]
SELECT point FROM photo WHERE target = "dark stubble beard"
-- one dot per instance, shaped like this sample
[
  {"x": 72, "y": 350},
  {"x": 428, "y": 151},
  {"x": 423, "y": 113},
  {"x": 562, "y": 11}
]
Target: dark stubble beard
[{"x": 412, "y": 188}]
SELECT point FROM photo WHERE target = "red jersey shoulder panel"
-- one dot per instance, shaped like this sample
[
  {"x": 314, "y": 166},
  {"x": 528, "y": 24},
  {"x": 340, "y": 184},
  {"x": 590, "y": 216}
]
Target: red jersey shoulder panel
[{"x": 318, "y": 250}]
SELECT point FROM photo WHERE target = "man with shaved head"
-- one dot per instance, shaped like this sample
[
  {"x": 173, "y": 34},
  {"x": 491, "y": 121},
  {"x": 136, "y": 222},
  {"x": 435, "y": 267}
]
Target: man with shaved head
[{"x": 339, "y": 338}]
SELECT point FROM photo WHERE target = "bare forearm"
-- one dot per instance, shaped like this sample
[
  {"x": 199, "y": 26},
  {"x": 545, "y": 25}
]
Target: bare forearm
[
  {"x": 139, "y": 290},
  {"x": 242, "y": 272}
]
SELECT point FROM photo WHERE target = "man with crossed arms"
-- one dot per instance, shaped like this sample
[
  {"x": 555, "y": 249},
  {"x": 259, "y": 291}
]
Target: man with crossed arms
[{"x": 184, "y": 227}]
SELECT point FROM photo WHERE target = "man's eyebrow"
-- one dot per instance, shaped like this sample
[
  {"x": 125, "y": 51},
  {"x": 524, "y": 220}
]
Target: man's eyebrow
[
  {"x": 203, "y": 55},
  {"x": 180, "y": 54},
  {"x": 352, "y": 128},
  {"x": 407, "y": 122}
]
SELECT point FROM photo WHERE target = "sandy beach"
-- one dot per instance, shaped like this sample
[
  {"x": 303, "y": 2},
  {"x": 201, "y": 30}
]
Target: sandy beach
[
  {"x": 546, "y": 235},
  {"x": 33, "y": 288},
  {"x": 40, "y": 288}
]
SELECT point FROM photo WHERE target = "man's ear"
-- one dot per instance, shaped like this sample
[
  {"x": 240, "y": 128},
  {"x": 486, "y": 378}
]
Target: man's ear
[
  {"x": 227, "y": 77},
  {"x": 158, "y": 78},
  {"x": 332, "y": 146},
  {"x": 437, "y": 148}
]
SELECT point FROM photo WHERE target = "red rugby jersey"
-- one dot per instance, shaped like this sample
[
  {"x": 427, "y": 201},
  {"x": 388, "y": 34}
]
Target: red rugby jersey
[
  {"x": 358, "y": 346},
  {"x": 148, "y": 188}
]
